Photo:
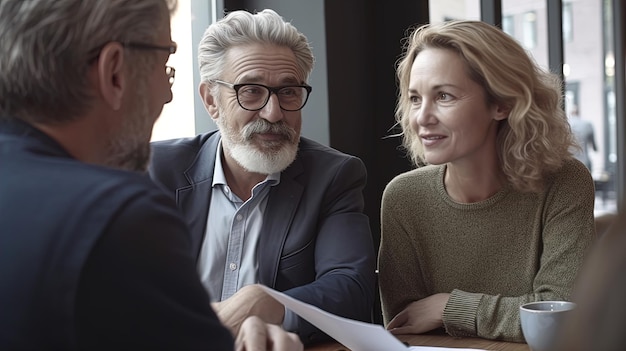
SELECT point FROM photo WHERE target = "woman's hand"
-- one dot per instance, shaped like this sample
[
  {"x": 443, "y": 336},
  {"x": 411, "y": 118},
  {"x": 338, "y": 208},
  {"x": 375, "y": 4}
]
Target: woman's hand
[{"x": 420, "y": 316}]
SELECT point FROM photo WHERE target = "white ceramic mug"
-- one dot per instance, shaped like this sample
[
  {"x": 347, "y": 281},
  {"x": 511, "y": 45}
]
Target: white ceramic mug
[{"x": 541, "y": 322}]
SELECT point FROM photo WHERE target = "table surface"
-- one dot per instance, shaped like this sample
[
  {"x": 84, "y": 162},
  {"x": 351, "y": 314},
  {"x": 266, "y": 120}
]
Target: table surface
[{"x": 438, "y": 340}]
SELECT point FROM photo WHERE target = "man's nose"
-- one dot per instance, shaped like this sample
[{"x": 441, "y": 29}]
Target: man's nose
[{"x": 272, "y": 111}]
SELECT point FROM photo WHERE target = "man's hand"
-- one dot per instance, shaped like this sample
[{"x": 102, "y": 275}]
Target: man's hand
[
  {"x": 250, "y": 300},
  {"x": 256, "y": 335},
  {"x": 420, "y": 316}
]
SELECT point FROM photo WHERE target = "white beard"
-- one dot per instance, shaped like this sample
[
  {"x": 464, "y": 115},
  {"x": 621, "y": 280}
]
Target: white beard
[
  {"x": 253, "y": 160},
  {"x": 276, "y": 157}
]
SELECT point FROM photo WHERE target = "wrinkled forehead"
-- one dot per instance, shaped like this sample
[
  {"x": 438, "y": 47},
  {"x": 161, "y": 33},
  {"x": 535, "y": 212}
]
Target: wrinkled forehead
[{"x": 257, "y": 63}]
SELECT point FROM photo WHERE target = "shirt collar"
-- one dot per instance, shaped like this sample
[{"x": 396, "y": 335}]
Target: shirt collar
[{"x": 218, "y": 171}]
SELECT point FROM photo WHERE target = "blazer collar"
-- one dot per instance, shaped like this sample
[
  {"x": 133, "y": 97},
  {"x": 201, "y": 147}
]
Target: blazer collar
[
  {"x": 283, "y": 199},
  {"x": 202, "y": 167},
  {"x": 13, "y": 129}
]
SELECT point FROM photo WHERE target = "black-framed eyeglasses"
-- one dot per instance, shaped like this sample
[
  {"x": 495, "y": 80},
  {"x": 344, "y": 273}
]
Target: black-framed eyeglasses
[
  {"x": 143, "y": 46},
  {"x": 169, "y": 70},
  {"x": 95, "y": 53},
  {"x": 253, "y": 97}
]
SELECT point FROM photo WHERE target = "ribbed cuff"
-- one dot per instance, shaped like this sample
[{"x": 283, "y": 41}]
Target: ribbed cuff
[{"x": 459, "y": 315}]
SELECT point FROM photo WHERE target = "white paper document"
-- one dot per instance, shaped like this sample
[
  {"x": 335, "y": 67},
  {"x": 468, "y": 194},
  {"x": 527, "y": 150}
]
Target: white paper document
[{"x": 355, "y": 335}]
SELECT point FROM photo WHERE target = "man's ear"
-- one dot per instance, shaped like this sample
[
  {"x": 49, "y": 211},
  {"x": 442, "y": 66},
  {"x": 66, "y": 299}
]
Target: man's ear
[
  {"x": 112, "y": 81},
  {"x": 208, "y": 100}
]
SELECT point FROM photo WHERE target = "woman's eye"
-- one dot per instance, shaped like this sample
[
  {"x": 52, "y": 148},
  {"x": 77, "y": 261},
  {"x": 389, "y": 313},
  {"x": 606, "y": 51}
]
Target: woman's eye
[{"x": 444, "y": 96}]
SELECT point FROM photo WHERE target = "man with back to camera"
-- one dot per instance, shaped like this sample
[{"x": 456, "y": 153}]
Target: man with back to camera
[
  {"x": 94, "y": 255},
  {"x": 267, "y": 206}
]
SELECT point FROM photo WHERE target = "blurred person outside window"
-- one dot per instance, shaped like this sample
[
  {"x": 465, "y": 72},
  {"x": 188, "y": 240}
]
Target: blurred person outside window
[{"x": 584, "y": 135}]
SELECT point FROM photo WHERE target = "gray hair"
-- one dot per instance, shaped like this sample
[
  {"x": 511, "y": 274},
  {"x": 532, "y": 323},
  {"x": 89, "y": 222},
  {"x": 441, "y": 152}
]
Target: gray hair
[
  {"x": 241, "y": 28},
  {"x": 48, "y": 45}
]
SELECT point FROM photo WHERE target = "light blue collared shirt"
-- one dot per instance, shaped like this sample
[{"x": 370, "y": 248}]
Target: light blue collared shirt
[{"x": 228, "y": 258}]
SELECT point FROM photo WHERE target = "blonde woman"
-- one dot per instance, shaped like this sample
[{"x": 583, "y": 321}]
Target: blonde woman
[{"x": 499, "y": 213}]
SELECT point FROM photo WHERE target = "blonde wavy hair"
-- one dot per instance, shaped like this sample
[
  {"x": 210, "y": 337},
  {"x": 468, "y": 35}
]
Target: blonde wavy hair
[{"x": 535, "y": 139}]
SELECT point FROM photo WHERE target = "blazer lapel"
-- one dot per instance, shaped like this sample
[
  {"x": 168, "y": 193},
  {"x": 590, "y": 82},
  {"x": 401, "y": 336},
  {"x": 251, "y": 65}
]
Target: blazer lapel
[
  {"x": 279, "y": 213},
  {"x": 194, "y": 207},
  {"x": 194, "y": 199}
]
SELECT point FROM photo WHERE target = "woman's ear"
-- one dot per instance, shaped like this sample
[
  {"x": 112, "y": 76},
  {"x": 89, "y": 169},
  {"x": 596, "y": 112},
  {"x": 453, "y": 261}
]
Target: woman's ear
[
  {"x": 208, "y": 100},
  {"x": 111, "y": 77},
  {"x": 501, "y": 112}
]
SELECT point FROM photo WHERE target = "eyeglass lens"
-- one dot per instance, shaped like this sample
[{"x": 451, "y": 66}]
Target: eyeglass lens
[{"x": 254, "y": 97}]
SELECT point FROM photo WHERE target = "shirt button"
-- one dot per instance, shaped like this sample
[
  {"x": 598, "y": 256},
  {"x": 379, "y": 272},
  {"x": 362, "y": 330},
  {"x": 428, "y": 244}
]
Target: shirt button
[
  {"x": 232, "y": 266},
  {"x": 239, "y": 217}
]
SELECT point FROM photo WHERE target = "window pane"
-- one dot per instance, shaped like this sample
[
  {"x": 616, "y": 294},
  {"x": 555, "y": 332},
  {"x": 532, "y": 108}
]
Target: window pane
[
  {"x": 177, "y": 117},
  {"x": 508, "y": 25},
  {"x": 590, "y": 91},
  {"x": 445, "y": 10},
  {"x": 568, "y": 29},
  {"x": 529, "y": 29},
  {"x": 528, "y": 24}
]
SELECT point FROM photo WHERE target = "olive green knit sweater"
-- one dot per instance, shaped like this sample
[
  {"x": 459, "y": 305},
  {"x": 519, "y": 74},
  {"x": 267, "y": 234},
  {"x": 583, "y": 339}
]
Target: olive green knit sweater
[{"x": 492, "y": 256}]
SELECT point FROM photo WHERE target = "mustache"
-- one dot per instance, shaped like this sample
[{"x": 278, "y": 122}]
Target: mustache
[{"x": 261, "y": 126}]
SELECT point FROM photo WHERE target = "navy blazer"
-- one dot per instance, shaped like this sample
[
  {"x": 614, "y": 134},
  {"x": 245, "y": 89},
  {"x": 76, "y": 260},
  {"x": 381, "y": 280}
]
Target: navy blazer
[
  {"x": 93, "y": 258},
  {"x": 315, "y": 244}
]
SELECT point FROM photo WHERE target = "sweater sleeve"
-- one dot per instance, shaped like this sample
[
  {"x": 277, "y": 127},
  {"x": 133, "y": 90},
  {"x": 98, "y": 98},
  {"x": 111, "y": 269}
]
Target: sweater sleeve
[{"x": 401, "y": 277}]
